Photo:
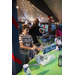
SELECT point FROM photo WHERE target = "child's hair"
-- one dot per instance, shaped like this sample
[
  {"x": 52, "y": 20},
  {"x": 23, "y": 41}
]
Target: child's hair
[{"x": 24, "y": 26}]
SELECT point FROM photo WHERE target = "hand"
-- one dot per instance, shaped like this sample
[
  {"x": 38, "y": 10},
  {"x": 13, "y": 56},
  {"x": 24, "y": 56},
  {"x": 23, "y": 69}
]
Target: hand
[
  {"x": 42, "y": 45},
  {"x": 38, "y": 49},
  {"x": 33, "y": 48}
]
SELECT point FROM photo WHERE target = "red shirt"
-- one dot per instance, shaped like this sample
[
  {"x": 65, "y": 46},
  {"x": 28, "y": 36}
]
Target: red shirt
[{"x": 58, "y": 33}]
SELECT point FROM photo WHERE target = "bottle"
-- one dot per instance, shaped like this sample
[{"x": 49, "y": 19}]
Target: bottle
[
  {"x": 28, "y": 72},
  {"x": 60, "y": 45},
  {"x": 60, "y": 60}
]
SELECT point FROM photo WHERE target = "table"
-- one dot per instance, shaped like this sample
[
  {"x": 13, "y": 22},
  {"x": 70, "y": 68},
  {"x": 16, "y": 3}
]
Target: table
[{"x": 50, "y": 69}]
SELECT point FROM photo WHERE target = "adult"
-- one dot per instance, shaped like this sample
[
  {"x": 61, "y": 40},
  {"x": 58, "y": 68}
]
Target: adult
[{"x": 34, "y": 31}]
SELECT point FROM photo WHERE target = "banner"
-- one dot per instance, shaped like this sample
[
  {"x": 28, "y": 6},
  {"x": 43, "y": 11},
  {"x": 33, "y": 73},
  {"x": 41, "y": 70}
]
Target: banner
[{"x": 49, "y": 49}]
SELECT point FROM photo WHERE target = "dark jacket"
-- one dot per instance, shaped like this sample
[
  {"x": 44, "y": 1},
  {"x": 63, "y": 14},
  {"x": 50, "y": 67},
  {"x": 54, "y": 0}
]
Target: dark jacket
[{"x": 34, "y": 31}]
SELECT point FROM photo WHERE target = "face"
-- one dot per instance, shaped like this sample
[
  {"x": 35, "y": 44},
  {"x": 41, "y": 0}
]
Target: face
[
  {"x": 26, "y": 30},
  {"x": 36, "y": 22}
]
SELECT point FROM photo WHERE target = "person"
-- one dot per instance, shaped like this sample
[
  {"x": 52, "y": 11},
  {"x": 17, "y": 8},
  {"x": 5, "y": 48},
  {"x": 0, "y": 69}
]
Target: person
[
  {"x": 26, "y": 44},
  {"x": 58, "y": 37},
  {"x": 58, "y": 32},
  {"x": 34, "y": 32}
]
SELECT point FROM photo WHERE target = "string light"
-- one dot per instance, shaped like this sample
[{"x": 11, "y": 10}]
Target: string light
[
  {"x": 22, "y": 20},
  {"x": 25, "y": 9},
  {"x": 51, "y": 17},
  {"x": 23, "y": 15},
  {"x": 57, "y": 23},
  {"x": 22, "y": 2},
  {"x": 33, "y": 7},
  {"x": 26, "y": 22},
  {"x": 17, "y": 7},
  {"x": 42, "y": 18},
  {"x": 31, "y": 23}
]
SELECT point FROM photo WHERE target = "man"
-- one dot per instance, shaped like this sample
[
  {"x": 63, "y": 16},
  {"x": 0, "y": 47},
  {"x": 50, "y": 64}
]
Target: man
[
  {"x": 34, "y": 31},
  {"x": 26, "y": 44}
]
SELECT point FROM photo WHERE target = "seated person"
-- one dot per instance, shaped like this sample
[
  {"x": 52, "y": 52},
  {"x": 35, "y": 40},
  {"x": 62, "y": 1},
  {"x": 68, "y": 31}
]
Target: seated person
[{"x": 26, "y": 44}]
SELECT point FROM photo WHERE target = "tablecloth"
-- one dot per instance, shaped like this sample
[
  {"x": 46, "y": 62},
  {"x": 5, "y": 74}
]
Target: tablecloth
[{"x": 50, "y": 69}]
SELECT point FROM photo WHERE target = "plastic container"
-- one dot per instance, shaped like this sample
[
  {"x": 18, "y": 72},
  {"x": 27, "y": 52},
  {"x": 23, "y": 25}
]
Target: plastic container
[
  {"x": 59, "y": 49},
  {"x": 28, "y": 72},
  {"x": 46, "y": 56}
]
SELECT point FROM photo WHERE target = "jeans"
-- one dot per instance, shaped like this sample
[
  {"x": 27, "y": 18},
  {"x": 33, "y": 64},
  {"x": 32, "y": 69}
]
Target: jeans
[{"x": 33, "y": 53}]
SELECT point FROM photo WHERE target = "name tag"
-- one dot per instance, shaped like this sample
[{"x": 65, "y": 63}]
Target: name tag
[{"x": 49, "y": 49}]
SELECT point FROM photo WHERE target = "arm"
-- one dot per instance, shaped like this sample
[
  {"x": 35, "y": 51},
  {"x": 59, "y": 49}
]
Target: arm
[
  {"x": 25, "y": 47},
  {"x": 35, "y": 47},
  {"x": 38, "y": 39},
  {"x": 38, "y": 49}
]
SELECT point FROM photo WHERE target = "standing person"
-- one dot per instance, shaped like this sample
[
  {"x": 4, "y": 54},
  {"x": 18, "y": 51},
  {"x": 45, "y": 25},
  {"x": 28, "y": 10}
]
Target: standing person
[
  {"x": 34, "y": 32},
  {"x": 58, "y": 32},
  {"x": 58, "y": 37},
  {"x": 26, "y": 42}
]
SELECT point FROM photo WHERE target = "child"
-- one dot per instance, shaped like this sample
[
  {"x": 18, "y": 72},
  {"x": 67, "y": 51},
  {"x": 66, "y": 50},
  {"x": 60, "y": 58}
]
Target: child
[{"x": 26, "y": 44}]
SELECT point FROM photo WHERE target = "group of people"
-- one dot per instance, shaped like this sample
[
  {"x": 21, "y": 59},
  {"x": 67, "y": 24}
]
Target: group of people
[{"x": 28, "y": 39}]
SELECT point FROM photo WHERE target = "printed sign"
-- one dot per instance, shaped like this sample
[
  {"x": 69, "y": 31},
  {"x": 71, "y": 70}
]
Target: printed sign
[{"x": 49, "y": 49}]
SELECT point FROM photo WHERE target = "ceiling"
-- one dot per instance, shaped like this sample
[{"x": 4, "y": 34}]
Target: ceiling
[
  {"x": 56, "y": 7},
  {"x": 28, "y": 12}
]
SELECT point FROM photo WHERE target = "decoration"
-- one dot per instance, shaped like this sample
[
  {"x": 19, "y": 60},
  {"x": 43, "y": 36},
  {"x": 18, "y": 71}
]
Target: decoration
[
  {"x": 49, "y": 29},
  {"x": 17, "y": 60},
  {"x": 49, "y": 18}
]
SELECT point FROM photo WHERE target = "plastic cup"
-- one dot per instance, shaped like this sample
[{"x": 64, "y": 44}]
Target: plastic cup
[
  {"x": 46, "y": 56},
  {"x": 37, "y": 57},
  {"x": 59, "y": 49},
  {"x": 25, "y": 66}
]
